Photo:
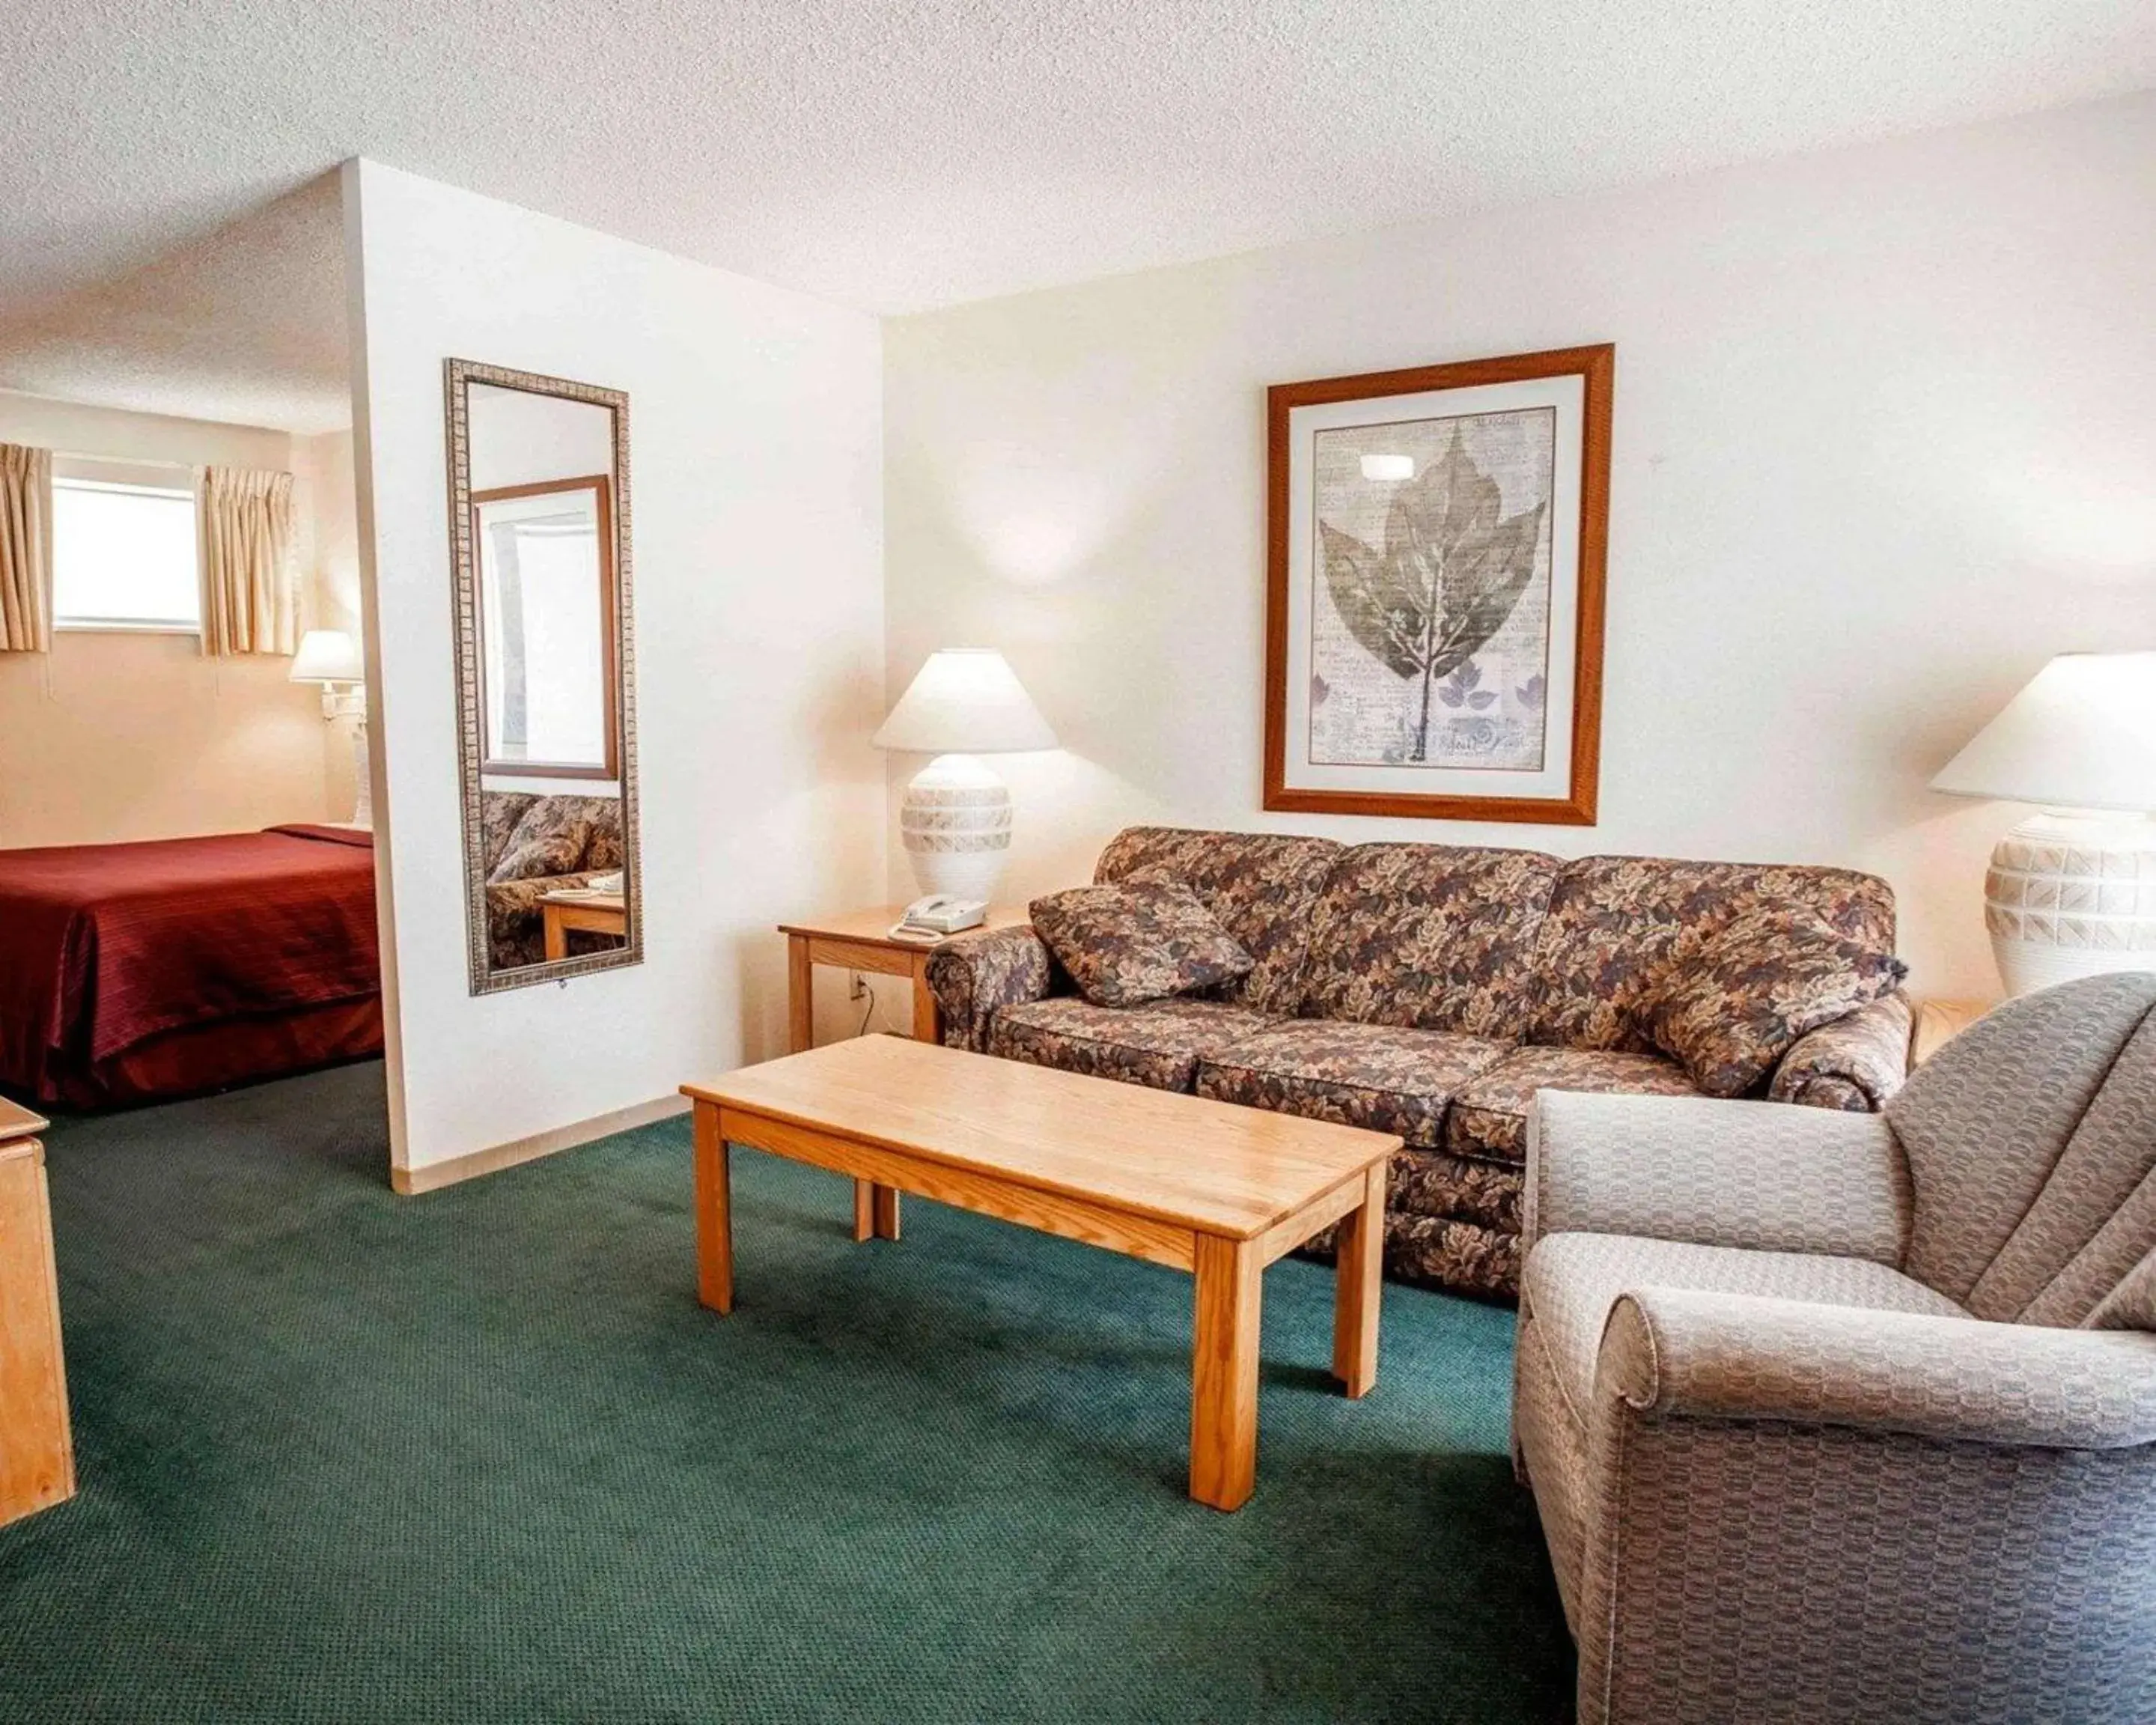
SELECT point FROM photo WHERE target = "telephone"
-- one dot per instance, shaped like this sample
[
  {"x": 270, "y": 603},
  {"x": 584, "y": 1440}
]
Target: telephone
[{"x": 938, "y": 917}]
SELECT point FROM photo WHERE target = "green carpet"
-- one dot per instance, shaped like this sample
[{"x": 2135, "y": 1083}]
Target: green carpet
[{"x": 480, "y": 1457}]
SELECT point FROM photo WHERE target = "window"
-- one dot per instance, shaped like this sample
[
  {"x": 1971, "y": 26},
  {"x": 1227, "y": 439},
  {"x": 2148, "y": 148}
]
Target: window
[{"x": 124, "y": 556}]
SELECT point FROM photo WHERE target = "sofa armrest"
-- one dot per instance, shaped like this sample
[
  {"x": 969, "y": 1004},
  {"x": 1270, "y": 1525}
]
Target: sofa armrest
[
  {"x": 1853, "y": 1064},
  {"x": 1751, "y": 1174},
  {"x": 521, "y": 897},
  {"x": 1720, "y": 1356},
  {"x": 972, "y": 975}
]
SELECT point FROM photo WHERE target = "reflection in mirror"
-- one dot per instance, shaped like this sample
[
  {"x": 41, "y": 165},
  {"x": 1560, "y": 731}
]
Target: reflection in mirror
[
  {"x": 546, "y": 591},
  {"x": 538, "y": 470}
]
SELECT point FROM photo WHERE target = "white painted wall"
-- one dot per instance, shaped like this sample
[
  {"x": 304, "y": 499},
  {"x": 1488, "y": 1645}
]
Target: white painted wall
[
  {"x": 116, "y": 735},
  {"x": 755, "y": 464},
  {"x": 1882, "y": 443}
]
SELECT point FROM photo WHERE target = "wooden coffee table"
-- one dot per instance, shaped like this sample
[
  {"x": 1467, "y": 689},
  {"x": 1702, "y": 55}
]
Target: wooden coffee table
[{"x": 1208, "y": 1187}]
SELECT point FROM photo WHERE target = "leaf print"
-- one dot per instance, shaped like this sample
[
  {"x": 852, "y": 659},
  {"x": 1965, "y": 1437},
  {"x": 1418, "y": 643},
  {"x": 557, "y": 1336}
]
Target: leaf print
[
  {"x": 1385, "y": 622},
  {"x": 1459, "y": 689},
  {"x": 1450, "y": 575}
]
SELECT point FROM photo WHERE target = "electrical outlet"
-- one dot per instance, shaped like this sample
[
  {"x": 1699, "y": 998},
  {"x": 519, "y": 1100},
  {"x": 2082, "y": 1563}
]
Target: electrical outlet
[{"x": 857, "y": 986}]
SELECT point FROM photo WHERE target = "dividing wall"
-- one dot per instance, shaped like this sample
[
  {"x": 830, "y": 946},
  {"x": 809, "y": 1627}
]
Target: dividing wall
[{"x": 754, "y": 427}]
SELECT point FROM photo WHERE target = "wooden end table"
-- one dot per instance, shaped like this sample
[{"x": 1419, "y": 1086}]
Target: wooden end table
[
  {"x": 861, "y": 940},
  {"x": 37, "y": 1451},
  {"x": 1206, "y": 1187},
  {"x": 594, "y": 912}
]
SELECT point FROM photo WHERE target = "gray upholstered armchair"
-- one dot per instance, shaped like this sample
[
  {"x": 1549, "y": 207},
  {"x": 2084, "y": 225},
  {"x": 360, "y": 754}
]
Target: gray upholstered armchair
[{"x": 1849, "y": 1417}]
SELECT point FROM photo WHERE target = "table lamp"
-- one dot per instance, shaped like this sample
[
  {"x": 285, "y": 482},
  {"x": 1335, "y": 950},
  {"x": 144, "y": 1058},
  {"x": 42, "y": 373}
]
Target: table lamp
[
  {"x": 2070, "y": 892},
  {"x": 331, "y": 657},
  {"x": 955, "y": 821}
]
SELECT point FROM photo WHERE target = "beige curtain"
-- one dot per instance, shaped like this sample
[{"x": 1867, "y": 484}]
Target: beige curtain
[
  {"x": 26, "y": 549},
  {"x": 249, "y": 601}
]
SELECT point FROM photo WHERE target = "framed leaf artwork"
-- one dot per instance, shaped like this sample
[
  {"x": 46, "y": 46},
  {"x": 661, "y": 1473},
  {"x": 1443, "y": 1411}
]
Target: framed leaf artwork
[{"x": 1434, "y": 589}]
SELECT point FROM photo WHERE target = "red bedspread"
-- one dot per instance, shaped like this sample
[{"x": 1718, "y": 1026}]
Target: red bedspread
[{"x": 103, "y": 945}]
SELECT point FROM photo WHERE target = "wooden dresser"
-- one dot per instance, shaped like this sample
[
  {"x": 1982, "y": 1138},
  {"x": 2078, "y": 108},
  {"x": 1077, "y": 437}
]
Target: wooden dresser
[{"x": 37, "y": 1455}]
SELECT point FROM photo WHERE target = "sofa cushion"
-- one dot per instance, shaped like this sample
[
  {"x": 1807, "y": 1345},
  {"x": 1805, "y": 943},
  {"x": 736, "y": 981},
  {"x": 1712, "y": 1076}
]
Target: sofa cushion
[
  {"x": 1260, "y": 885},
  {"x": 1572, "y": 1280},
  {"x": 1460, "y": 1257},
  {"x": 1388, "y": 1078},
  {"x": 499, "y": 813},
  {"x": 1432, "y": 1183},
  {"x": 606, "y": 851},
  {"x": 1144, "y": 940},
  {"x": 1439, "y": 936},
  {"x": 1739, "y": 1003},
  {"x": 561, "y": 835},
  {"x": 1617, "y": 924},
  {"x": 1158, "y": 1043},
  {"x": 1489, "y": 1117}
]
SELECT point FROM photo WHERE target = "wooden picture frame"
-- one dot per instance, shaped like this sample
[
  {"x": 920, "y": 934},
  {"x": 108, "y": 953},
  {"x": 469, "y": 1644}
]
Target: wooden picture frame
[
  {"x": 609, "y": 766},
  {"x": 1494, "y": 496}
]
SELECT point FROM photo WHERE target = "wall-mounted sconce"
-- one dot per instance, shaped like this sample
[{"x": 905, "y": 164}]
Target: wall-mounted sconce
[{"x": 331, "y": 657}]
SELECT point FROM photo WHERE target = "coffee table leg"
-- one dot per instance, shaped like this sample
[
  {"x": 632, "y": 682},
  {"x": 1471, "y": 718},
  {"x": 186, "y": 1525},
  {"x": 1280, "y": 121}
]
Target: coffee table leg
[
  {"x": 1358, "y": 1281},
  {"x": 715, "y": 1231},
  {"x": 1224, "y": 1378},
  {"x": 875, "y": 1211}
]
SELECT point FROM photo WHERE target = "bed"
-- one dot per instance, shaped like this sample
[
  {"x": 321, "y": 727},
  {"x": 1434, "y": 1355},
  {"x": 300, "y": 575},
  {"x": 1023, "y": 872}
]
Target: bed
[{"x": 133, "y": 972}]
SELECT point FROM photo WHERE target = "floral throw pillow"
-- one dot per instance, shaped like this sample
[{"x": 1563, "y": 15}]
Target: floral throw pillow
[
  {"x": 1729, "y": 1011},
  {"x": 1137, "y": 942}
]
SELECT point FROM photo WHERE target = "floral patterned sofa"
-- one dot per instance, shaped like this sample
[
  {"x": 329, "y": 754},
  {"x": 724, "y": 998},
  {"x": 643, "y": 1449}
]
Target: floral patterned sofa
[
  {"x": 1428, "y": 990},
  {"x": 538, "y": 844}
]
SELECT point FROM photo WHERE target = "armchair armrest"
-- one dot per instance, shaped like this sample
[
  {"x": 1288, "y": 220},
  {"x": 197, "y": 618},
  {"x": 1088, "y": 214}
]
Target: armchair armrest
[
  {"x": 1752, "y": 1174},
  {"x": 1722, "y": 1356},
  {"x": 971, "y": 975},
  {"x": 1854, "y": 1063}
]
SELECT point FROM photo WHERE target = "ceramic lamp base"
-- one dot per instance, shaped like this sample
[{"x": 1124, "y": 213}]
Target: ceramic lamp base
[
  {"x": 955, "y": 823},
  {"x": 2072, "y": 895}
]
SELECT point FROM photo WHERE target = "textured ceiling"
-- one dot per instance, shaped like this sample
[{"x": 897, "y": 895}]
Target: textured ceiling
[
  {"x": 898, "y": 156},
  {"x": 246, "y": 325}
]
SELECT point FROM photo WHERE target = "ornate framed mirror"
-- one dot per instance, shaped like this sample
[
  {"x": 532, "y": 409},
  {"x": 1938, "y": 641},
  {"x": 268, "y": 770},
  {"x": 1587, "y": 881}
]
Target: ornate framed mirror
[{"x": 539, "y": 551}]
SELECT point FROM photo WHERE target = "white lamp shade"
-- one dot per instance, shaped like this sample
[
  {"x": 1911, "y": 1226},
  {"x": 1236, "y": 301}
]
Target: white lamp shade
[
  {"x": 327, "y": 656},
  {"x": 2082, "y": 735},
  {"x": 966, "y": 701}
]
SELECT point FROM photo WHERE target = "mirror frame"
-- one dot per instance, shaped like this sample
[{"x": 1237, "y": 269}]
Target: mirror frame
[{"x": 458, "y": 376}]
